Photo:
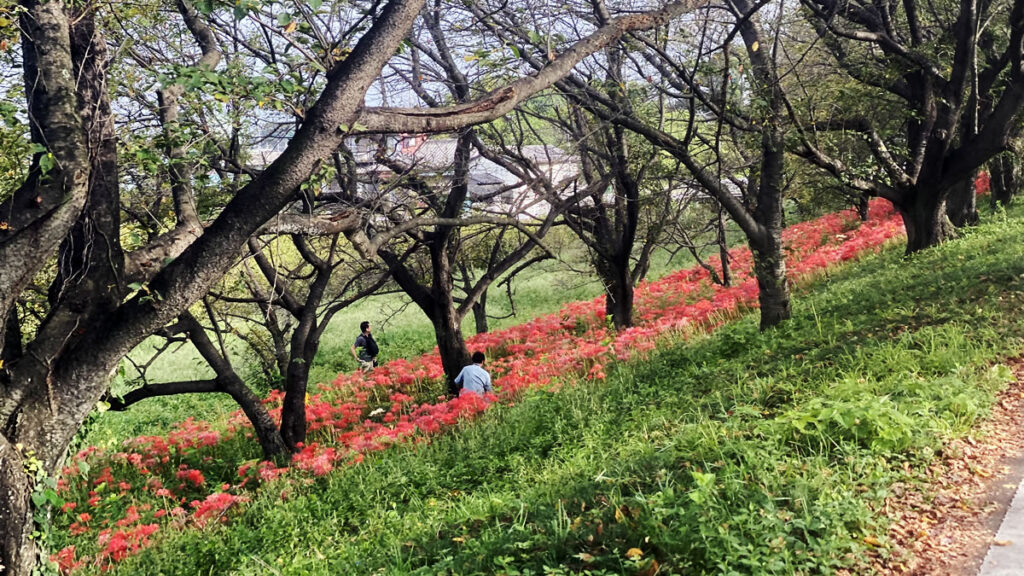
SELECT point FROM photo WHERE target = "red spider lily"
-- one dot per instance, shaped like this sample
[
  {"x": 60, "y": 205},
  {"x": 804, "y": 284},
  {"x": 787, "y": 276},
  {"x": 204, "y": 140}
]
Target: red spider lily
[
  {"x": 193, "y": 476},
  {"x": 214, "y": 508},
  {"x": 982, "y": 183},
  {"x": 131, "y": 517},
  {"x": 65, "y": 560},
  {"x": 118, "y": 545}
]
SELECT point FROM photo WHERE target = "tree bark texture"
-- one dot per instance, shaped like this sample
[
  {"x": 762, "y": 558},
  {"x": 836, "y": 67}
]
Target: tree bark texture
[
  {"x": 17, "y": 551},
  {"x": 1004, "y": 179},
  {"x": 962, "y": 204},
  {"x": 723, "y": 249},
  {"x": 451, "y": 345},
  {"x": 39, "y": 214},
  {"x": 773, "y": 289},
  {"x": 767, "y": 249},
  {"x": 863, "y": 207},
  {"x": 480, "y": 313},
  {"x": 924, "y": 217},
  {"x": 618, "y": 301},
  {"x": 293, "y": 410}
]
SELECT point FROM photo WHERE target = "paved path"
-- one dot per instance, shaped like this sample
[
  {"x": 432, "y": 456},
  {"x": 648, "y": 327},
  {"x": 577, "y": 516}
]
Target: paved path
[{"x": 1006, "y": 556}]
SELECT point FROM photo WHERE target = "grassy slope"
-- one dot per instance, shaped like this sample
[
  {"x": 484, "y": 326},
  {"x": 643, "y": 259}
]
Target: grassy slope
[{"x": 737, "y": 453}]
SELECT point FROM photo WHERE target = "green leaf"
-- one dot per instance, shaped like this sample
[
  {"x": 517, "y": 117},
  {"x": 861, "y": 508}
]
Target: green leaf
[
  {"x": 284, "y": 19},
  {"x": 53, "y": 498},
  {"x": 135, "y": 286},
  {"x": 315, "y": 4},
  {"x": 205, "y": 7},
  {"x": 46, "y": 163}
]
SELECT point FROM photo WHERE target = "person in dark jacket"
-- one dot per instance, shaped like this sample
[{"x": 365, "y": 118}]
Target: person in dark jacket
[{"x": 365, "y": 349}]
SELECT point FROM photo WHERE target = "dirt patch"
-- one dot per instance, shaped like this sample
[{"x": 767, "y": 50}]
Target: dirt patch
[{"x": 948, "y": 530}]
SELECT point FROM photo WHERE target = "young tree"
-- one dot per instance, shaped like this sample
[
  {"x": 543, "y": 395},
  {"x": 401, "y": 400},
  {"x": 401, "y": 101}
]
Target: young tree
[
  {"x": 484, "y": 251},
  {"x": 621, "y": 186}
]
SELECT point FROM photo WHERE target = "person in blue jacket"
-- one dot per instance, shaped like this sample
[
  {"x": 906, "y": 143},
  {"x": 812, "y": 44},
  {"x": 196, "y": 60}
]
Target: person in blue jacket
[{"x": 474, "y": 378}]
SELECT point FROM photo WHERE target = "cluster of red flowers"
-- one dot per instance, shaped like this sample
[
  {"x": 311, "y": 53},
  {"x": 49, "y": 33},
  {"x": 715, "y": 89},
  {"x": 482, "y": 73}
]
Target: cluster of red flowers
[{"x": 116, "y": 501}]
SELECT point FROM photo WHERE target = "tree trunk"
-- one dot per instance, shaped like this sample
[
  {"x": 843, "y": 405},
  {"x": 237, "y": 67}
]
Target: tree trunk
[
  {"x": 280, "y": 343},
  {"x": 293, "y": 410},
  {"x": 35, "y": 427},
  {"x": 34, "y": 416},
  {"x": 17, "y": 552},
  {"x": 1003, "y": 179},
  {"x": 12, "y": 344},
  {"x": 230, "y": 383},
  {"x": 773, "y": 290},
  {"x": 438, "y": 305},
  {"x": 618, "y": 288},
  {"x": 450, "y": 344},
  {"x": 480, "y": 313},
  {"x": 863, "y": 206},
  {"x": 924, "y": 217},
  {"x": 962, "y": 205},
  {"x": 271, "y": 440},
  {"x": 619, "y": 304},
  {"x": 769, "y": 260},
  {"x": 723, "y": 249},
  {"x": 766, "y": 243}
]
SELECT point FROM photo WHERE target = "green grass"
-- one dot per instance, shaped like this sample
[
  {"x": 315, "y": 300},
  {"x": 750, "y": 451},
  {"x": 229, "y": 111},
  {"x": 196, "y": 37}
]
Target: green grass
[{"x": 736, "y": 453}]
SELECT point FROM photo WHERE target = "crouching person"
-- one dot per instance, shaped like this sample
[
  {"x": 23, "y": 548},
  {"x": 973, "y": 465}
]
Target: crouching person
[{"x": 474, "y": 378}]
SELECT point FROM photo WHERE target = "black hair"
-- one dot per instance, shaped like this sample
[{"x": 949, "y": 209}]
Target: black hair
[
  {"x": 363, "y": 326},
  {"x": 478, "y": 357}
]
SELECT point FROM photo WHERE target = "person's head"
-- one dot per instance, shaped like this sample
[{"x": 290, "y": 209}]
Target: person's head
[
  {"x": 478, "y": 357},
  {"x": 364, "y": 326}
]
